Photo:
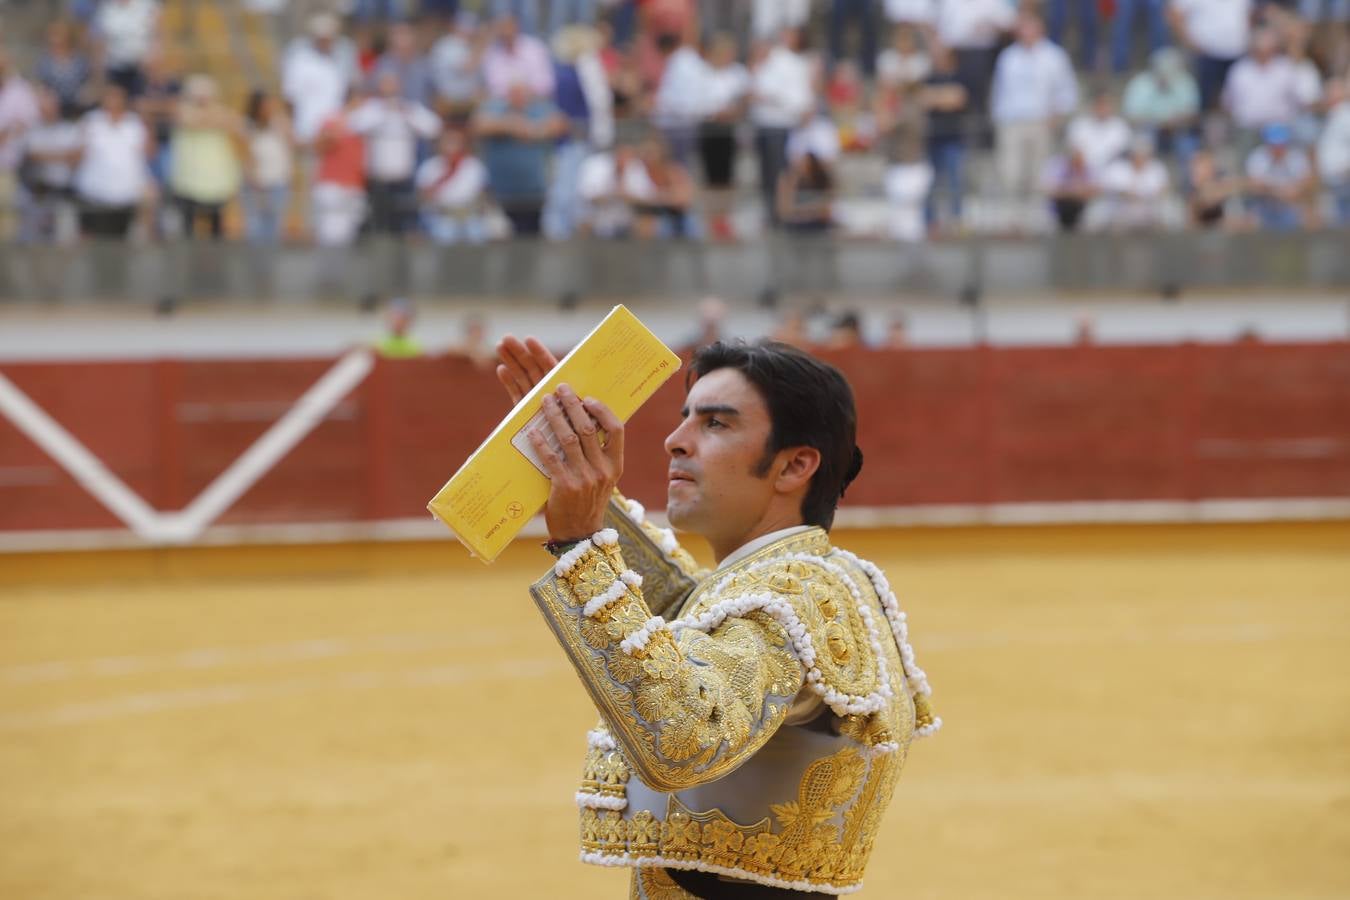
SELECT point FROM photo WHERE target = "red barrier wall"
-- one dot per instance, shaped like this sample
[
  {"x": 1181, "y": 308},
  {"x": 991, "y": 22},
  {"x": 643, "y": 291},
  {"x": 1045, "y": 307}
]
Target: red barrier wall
[{"x": 955, "y": 426}]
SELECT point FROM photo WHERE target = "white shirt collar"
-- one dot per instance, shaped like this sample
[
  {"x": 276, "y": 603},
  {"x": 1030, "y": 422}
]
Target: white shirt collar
[{"x": 760, "y": 543}]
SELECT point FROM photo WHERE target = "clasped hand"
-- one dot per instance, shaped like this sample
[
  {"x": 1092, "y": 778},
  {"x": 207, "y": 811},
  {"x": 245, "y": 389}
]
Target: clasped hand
[{"x": 587, "y": 466}]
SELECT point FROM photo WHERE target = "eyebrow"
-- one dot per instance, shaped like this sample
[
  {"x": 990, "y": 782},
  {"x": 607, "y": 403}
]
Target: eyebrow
[{"x": 713, "y": 410}]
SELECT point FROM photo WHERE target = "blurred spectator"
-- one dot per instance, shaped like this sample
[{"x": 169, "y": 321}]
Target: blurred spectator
[
  {"x": 1217, "y": 32},
  {"x": 583, "y": 97},
  {"x": 679, "y": 103},
  {"x": 562, "y": 13},
  {"x": 50, "y": 148},
  {"x": 158, "y": 108},
  {"x": 1034, "y": 87},
  {"x": 901, "y": 137},
  {"x": 661, "y": 192},
  {"x": 665, "y": 25},
  {"x": 339, "y": 197},
  {"x": 271, "y": 161},
  {"x": 205, "y": 173},
  {"x": 1333, "y": 149},
  {"x": 404, "y": 59},
  {"x": 1100, "y": 135},
  {"x": 782, "y": 99},
  {"x": 792, "y": 329},
  {"x": 846, "y": 334},
  {"x": 126, "y": 31},
  {"x": 818, "y": 135},
  {"x": 1280, "y": 181},
  {"x": 392, "y": 126},
  {"x": 1070, "y": 187},
  {"x": 63, "y": 68},
  {"x": 1134, "y": 189},
  {"x": 112, "y": 178},
  {"x": 397, "y": 342},
  {"x": 476, "y": 347},
  {"x": 725, "y": 91},
  {"x": 897, "y": 333},
  {"x": 316, "y": 75},
  {"x": 514, "y": 58},
  {"x": 1261, "y": 88},
  {"x": 1085, "y": 11},
  {"x": 1164, "y": 100},
  {"x": 451, "y": 188},
  {"x": 865, "y": 16},
  {"x": 518, "y": 134},
  {"x": 770, "y": 18},
  {"x": 455, "y": 62},
  {"x": 1307, "y": 89},
  {"x": 712, "y": 319},
  {"x": 806, "y": 196},
  {"x": 524, "y": 12},
  {"x": 913, "y": 13},
  {"x": 604, "y": 190},
  {"x": 946, "y": 100},
  {"x": 973, "y": 29},
  {"x": 844, "y": 94},
  {"x": 904, "y": 62},
  {"x": 1211, "y": 189},
  {"x": 18, "y": 112},
  {"x": 1122, "y": 30}
]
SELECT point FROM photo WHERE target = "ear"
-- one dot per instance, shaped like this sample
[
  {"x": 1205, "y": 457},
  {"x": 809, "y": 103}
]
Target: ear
[{"x": 794, "y": 468}]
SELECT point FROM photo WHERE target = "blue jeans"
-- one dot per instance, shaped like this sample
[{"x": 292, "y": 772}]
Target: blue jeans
[
  {"x": 1324, "y": 10},
  {"x": 947, "y": 155},
  {"x": 525, "y": 11},
  {"x": 1275, "y": 215},
  {"x": 265, "y": 213},
  {"x": 1126, "y": 13},
  {"x": 570, "y": 12},
  {"x": 864, "y": 12},
  {"x": 1087, "y": 27},
  {"x": 563, "y": 207},
  {"x": 1211, "y": 72},
  {"x": 445, "y": 230},
  {"x": 1341, "y": 194}
]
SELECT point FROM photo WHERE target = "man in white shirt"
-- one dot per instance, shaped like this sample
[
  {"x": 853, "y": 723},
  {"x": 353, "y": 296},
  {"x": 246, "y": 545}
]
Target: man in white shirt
[
  {"x": 1262, "y": 87},
  {"x": 315, "y": 75},
  {"x": 1217, "y": 32},
  {"x": 768, "y": 18},
  {"x": 391, "y": 126},
  {"x": 973, "y": 28},
  {"x": 1101, "y": 135},
  {"x": 680, "y": 102},
  {"x": 1034, "y": 88},
  {"x": 451, "y": 186},
  {"x": 113, "y": 174},
  {"x": 50, "y": 148},
  {"x": 782, "y": 97},
  {"x": 18, "y": 113},
  {"x": 1333, "y": 149},
  {"x": 1135, "y": 188},
  {"x": 454, "y": 64},
  {"x": 608, "y": 184},
  {"x": 126, "y": 29}
]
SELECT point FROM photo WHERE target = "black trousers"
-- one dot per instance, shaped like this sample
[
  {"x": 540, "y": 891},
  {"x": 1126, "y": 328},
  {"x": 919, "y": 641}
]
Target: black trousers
[{"x": 106, "y": 221}]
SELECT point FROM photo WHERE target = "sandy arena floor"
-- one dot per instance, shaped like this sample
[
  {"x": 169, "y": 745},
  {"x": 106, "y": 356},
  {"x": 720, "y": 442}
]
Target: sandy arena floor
[{"x": 1158, "y": 712}]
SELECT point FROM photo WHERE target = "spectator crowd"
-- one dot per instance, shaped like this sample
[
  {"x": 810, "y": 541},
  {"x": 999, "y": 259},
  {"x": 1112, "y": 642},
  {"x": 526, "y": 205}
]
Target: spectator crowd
[{"x": 456, "y": 121}]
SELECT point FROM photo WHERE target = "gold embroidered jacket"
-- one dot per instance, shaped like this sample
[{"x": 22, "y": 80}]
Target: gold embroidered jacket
[{"x": 754, "y": 719}]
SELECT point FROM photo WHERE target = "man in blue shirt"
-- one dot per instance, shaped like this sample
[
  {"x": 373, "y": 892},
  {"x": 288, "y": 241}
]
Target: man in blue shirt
[{"x": 517, "y": 136}]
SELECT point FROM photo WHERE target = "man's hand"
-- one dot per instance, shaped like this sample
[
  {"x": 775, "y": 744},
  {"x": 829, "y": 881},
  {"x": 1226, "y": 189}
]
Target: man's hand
[
  {"x": 523, "y": 365},
  {"x": 586, "y": 471}
]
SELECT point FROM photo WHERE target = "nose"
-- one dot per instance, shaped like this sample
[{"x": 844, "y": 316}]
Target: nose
[{"x": 678, "y": 441}]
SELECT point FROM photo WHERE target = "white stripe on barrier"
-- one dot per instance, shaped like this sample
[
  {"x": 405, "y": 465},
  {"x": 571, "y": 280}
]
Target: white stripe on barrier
[
  {"x": 147, "y": 524},
  {"x": 75, "y": 458}
]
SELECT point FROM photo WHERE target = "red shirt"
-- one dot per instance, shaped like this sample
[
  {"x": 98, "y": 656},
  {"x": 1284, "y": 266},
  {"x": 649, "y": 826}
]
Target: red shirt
[{"x": 343, "y": 157}]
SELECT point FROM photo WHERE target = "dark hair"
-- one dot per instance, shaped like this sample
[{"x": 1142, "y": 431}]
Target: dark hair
[
  {"x": 810, "y": 405},
  {"x": 254, "y": 106}
]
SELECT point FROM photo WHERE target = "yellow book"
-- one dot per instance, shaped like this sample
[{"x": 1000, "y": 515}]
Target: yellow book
[{"x": 501, "y": 486}]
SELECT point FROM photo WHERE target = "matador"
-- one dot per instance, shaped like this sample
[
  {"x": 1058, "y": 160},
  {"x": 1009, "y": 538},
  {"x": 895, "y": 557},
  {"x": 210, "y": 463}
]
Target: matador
[{"x": 753, "y": 718}]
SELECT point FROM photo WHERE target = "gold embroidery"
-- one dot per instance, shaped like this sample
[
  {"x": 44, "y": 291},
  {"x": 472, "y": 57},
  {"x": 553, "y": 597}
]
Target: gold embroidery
[{"x": 653, "y": 883}]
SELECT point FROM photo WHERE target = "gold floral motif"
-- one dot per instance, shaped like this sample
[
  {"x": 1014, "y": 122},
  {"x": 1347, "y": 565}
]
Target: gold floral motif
[
  {"x": 588, "y": 580},
  {"x": 680, "y": 836},
  {"x": 644, "y": 833},
  {"x": 654, "y": 883}
]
